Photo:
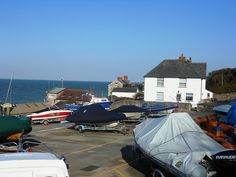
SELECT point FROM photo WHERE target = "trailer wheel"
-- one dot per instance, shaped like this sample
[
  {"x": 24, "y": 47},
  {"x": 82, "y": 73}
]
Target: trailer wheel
[
  {"x": 157, "y": 173},
  {"x": 45, "y": 122},
  {"x": 80, "y": 129}
]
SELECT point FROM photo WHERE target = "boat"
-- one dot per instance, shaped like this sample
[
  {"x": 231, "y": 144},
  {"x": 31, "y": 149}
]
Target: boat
[
  {"x": 6, "y": 107},
  {"x": 95, "y": 117},
  {"x": 49, "y": 116},
  {"x": 103, "y": 102},
  {"x": 178, "y": 145},
  {"x": 159, "y": 108},
  {"x": 132, "y": 112},
  {"x": 94, "y": 114},
  {"x": 72, "y": 107},
  {"x": 12, "y": 128}
]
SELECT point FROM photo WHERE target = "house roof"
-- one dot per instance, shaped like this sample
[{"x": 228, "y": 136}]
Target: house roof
[
  {"x": 125, "y": 89},
  {"x": 76, "y": 95},
  {"x": 125, "y": 82},
  {"x": 56, "y": 90},
  {"x": 178, "y": 69}
]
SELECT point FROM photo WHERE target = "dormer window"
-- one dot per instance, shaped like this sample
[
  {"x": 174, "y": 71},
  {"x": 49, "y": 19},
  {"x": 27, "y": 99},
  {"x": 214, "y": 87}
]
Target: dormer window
[{"x": 182, "y": 83}]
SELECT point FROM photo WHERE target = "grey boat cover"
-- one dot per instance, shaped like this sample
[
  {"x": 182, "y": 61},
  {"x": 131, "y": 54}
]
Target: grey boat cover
[{"x": 176, "y": 142}]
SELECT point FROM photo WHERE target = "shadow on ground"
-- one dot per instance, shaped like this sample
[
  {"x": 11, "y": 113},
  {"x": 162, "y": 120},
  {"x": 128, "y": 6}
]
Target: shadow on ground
[
  {"x": 141, "y": 163},
  {"x": 135, "y": 161}
]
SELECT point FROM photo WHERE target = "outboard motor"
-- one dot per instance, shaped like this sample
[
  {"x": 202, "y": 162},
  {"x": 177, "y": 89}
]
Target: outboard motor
[{"x": 225, "y": 162}]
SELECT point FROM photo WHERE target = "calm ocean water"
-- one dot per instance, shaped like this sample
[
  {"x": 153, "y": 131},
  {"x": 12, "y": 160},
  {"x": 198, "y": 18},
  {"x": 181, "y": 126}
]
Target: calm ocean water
[{"x": 28, "y": 91}]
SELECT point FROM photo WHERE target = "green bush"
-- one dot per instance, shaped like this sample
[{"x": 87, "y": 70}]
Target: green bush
[{"x": 222, "y": 81}]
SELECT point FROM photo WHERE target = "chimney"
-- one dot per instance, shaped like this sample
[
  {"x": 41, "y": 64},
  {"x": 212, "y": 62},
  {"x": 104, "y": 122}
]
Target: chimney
[
  {"x": 182, "y": 57},
  {"x": 190, "y": 60},
  {"x": 119, "y": 78},
  {"x": 125, "y": 78}
]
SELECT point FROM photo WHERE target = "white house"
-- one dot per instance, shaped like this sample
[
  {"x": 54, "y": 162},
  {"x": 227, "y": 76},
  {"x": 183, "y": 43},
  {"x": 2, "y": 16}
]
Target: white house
[
  {"x": 177, "y": 81},
  {"x": 53, "y": 94},
  {"x": 120, "y": 82},
  {"x": 126, "y": 92}
]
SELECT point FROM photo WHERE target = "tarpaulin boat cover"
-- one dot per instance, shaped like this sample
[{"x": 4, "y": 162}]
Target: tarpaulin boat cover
[
  {"x": 129, "y": 108},
  {"x": 176, "y": 142},
  {"x": 222, "y": 109},
  {"x": 11, "y": 124},
  {"x": 159, "y": 107},
  {"x": 94, "y": 114},
  {"x": 231, "y": 116}
]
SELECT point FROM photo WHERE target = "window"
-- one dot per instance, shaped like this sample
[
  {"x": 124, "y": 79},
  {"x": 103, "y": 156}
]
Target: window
[
  {"x": 160, "y": 82},
  {"x": 208, "y": 95},
  {"x": 189, "y": 96},
  {"x": 160, "y": 96},
  {"x": 182, "y": 83},
  {"x": 178, "y": 97}
]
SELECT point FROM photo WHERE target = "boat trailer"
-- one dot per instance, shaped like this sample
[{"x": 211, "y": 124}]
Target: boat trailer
[{"x": 93, "y": 127}]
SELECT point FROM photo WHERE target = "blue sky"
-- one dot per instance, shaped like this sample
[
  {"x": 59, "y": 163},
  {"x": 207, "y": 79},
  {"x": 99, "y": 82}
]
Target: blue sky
[{"x": 98, "y": 40}]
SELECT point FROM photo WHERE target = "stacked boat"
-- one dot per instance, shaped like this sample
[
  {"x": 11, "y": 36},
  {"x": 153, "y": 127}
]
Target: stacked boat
[
  {"x": 21, "y": 161},
  {"x": 176, "y": 143},
  {"x": 12, "y": 128}
]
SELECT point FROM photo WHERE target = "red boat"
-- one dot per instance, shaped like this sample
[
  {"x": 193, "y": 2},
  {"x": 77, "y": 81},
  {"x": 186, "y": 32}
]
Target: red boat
[{"x": 49, "y": 116}]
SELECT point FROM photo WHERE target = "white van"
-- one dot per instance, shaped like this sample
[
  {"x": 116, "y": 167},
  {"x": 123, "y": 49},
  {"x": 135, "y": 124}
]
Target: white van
[{"x": 32, "y": 164}]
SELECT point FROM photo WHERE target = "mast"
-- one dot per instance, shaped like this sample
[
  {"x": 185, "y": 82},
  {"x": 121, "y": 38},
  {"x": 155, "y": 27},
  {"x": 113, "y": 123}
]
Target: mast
[{"x": 9, "y": 88}]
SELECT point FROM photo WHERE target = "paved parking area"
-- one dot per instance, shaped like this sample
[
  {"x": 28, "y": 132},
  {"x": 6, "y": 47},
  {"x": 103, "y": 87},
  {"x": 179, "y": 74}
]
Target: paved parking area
[{"x": 97, "y": 154}]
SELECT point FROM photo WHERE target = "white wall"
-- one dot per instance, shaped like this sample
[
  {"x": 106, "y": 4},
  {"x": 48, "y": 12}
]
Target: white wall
[
  {"x": 51, "y": 97},
  {"x": 124, "y": 94},
  {"x": 171, "y": 88},
  {"x": 205, "y": 92},
  {"x": 150, "y": 89}
]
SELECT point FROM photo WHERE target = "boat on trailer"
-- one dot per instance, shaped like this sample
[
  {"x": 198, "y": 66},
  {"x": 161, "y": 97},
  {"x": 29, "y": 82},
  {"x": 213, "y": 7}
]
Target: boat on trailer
[
  {"x": 49, "y": 116},
  {"x": 94, "y": 117},
  {"x": 178, "y": 145}
]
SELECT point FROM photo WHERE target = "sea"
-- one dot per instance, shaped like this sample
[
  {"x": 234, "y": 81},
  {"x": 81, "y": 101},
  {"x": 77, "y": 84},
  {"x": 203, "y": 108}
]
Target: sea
[{"x": 30, "y": 91}]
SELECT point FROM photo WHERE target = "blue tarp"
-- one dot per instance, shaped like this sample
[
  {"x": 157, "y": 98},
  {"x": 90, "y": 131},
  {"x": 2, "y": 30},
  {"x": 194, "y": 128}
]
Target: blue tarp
[
  {"x": 72, "y": 107},
  {"x": 231, "y": 116},
  {"x": 104, "y": 104}
]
